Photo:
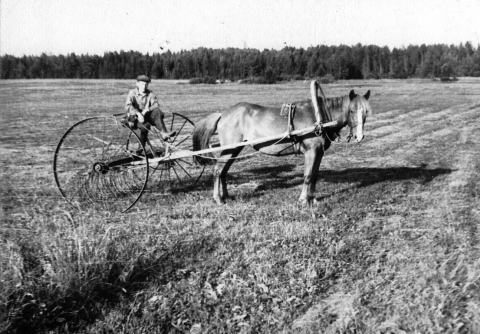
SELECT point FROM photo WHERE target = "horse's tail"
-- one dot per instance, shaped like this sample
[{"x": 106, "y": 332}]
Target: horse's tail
[{"x": 201, "y": 137}]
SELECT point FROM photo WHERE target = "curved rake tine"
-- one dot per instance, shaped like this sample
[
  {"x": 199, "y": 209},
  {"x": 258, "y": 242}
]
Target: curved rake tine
[{"x": 79, "y": 189}]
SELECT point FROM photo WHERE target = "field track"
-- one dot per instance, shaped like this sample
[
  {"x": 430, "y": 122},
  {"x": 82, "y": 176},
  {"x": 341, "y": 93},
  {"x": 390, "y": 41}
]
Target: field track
[{"x": 391, "y": 245}]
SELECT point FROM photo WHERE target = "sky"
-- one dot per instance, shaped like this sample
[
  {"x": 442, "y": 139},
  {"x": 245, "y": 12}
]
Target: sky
[{"x": 31, "y": 27}]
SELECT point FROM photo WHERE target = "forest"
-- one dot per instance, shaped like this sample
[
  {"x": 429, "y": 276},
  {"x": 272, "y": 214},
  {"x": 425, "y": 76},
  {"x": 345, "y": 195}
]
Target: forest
[{"x": 341, "y": 62}]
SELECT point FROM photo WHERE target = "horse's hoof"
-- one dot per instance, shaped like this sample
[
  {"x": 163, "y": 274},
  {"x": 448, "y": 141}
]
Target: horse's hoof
[
  {"x": 219, "y": 201},
  {"x": 308, "y": 201},
  {"x": 303, "y": 201}
]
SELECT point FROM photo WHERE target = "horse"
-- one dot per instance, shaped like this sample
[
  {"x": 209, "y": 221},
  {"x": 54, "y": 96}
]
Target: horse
[{"x": 246, "y": 121}]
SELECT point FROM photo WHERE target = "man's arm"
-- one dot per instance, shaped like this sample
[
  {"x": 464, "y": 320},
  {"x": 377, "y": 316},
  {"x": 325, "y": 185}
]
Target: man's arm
[
  {"x": 129, "y": 105},
  {"x": 153, "y": 102}
]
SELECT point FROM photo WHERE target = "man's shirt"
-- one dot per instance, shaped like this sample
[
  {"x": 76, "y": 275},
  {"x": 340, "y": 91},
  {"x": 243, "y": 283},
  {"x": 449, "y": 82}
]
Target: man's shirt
[{"x": 138, "y": 102}]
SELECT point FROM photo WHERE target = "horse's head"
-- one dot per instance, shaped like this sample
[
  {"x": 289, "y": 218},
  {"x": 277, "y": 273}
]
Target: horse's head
[{"x": 358, "y": 109}]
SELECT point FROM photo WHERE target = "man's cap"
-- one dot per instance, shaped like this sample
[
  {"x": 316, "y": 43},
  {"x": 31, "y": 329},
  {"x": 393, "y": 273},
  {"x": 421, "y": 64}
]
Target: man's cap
[{"x": 143, "y": 77}]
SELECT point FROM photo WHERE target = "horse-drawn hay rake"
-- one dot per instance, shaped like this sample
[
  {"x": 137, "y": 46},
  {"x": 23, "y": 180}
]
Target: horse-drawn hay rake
[{"x": 100, "y": 161}]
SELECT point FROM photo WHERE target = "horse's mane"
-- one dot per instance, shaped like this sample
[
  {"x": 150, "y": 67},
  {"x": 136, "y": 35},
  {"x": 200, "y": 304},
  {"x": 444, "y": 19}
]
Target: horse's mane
[{"x": 336, "y": 104}]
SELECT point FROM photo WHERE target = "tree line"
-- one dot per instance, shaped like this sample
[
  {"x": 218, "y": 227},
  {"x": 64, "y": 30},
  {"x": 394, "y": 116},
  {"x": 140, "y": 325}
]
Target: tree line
[{"x": 341, "y": 62}]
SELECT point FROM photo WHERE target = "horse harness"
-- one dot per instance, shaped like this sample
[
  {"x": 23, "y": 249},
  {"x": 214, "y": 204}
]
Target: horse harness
[{"x": 288, "y": 111}]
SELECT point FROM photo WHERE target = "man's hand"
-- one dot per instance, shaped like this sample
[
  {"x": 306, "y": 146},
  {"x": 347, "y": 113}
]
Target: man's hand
[
  {"x": 144, "y": 111},
  {"x": 140, "y": 118}
]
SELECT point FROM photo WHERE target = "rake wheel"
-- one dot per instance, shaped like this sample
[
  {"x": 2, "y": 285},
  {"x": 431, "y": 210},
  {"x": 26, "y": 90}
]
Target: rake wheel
[
  {"x": 99, "y": 162},
  {"x": 177, "y": 174}
]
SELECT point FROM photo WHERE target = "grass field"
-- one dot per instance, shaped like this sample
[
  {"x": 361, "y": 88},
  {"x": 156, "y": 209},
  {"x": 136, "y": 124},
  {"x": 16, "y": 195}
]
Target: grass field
[{"x": 392, "y": 245}]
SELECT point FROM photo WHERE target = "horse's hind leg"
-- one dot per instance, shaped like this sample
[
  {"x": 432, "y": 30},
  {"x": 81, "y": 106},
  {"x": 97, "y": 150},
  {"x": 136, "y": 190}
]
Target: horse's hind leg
[
  {"x": 226, "y": 160},
  {"x": 313, "y": 158}
]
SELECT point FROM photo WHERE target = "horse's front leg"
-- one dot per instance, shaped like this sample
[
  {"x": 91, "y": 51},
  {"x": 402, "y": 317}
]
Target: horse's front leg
[
  {"x": 313, "y": 158},
  {"x": 216, "y": 184}
]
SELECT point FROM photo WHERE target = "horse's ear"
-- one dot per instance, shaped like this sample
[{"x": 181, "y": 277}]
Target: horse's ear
[
  {"x": 352, "y": 95},
  {"x": 367, "y": 95}
]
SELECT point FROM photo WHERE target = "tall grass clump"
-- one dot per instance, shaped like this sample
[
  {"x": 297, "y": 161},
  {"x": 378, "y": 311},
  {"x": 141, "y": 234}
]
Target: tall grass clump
[{"x": 64, "y": 271}]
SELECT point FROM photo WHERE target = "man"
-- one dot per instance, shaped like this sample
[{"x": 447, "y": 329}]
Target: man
[{"x": 142, "y": 107}]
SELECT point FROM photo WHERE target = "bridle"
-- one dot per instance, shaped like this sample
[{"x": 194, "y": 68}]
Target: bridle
[{"x": 350, "y": 133}]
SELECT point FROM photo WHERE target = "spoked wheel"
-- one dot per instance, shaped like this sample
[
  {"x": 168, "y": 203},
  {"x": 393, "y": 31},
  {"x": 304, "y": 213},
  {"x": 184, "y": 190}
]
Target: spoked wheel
[
  {"x": 177, "y": 174},
  {"x": 100, "y": 162}
]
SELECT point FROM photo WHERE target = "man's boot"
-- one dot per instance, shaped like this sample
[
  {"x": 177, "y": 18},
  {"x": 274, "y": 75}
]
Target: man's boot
[{"x": 168, "y": 135}]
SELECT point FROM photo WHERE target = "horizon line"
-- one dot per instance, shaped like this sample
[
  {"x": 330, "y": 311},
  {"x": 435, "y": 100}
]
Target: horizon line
[{"x": 403, "y": 47}]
